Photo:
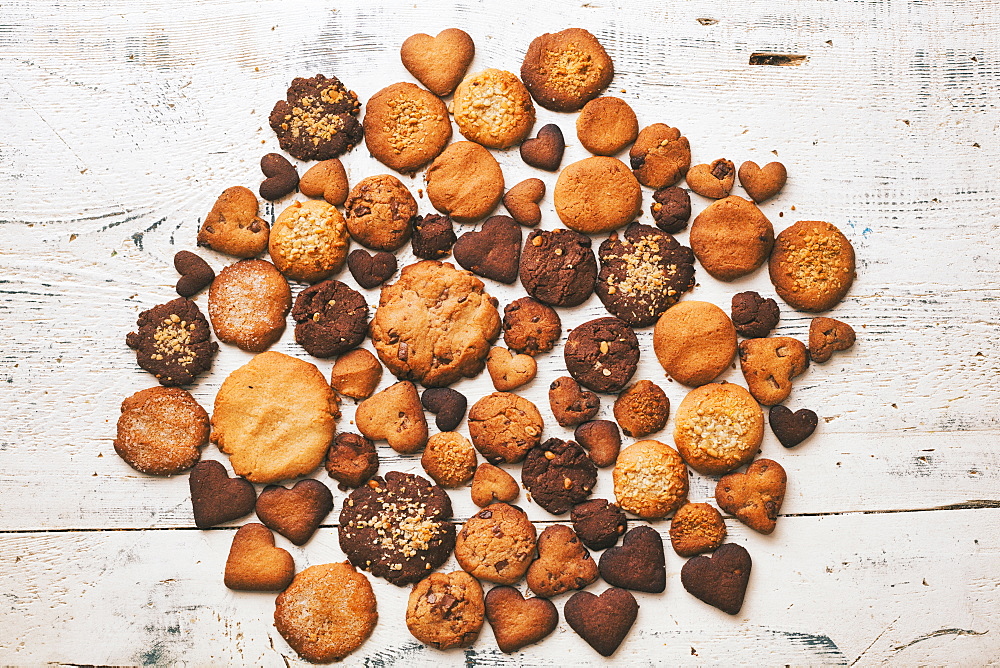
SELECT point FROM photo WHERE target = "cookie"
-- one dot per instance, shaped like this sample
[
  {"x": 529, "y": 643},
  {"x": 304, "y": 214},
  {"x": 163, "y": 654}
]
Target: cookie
[
  {"x": 558, "y": 267},
  {"x": 438, "y": 62},
  {"x": 247, "y": 303},
  {"x": 435, "y": 324},
  {"x": 356, "y": 374},
  {"x": 564, "y": 70},
  {"x": 281, "y": 177},
  {"x": 371, "y": 271},
  {"x": 606, "y": 125},
  {"x": 650, "y": 480},
  {"x": 504, "y": 426},
  {"x": 518, "y": 622},
  {"x": 545, "y": 150},
  {"x": 161, "y": 431},
  {"x": 295, "y": 513},
  {"x": 731, "y": 238},
  {"x": 720, "y": 580},
  {"x": 491, "y": 484},
  {"x": 754, "y": 497},
  {"x": 465, "y": 182},
  {"x": 521, "y": 201},
  {"x": 275, "y": 418},
  {"x": 638, "y": 564},
  {"x": 770, "y": 364},
  {"x": 394, "y": 415},
  {"x": 718, "y": 428},
  {"x": 447, "y": 404},
  {"x": 255, "y": 564},
  {"x": 433, "y": 236},
  {"x": 603, "y": 621},
  {"x": 351, "y": 460},
  {"x": 644, "y": 272},
  {"x": 753, "y": 315},
  {"x": 318, "y": 120},
  {"x": 379, "y": 212},
  {"x": 762, "y": 183},
  {"x": 327, "y": 612},
  {"x": 233, "y": 226},
  {"x": 406, "y": 127},
  {"x": 571, "y": 404},
  {"x": 792, "y": 428},
  {"x": 326, "y": 179},
  {"x": 812, "y": 266},
  {"x": 331, "y": 318},
  {"x": 508, "y": 371},
  {"x": 449, "y": 459},
  {"x": 493, "y": 108},
  {"x": 696, "y": 528},
  {"x": 494, "y": 251},
  {"x": 642, "y": 409},
  {"x": 397, "y": 528},
  {"x": 496, "y": 544},
  {"x": 599, "y": 524},
  {"x": 714, "y": 180},
  {"x": 563, "y": 563},
  {"x": 602, "y": 354},
  {"x": 694, "y": 342},
  {"x": 173, "y": 343},
  {"x": 530, "y": 327},
  {"x": 559, "y": 475},
  {"x": 196, "y": 274},
  {"x": 601, "y": 439},
  {"x": 671, "y": 209},
  {"x": 445, "y": 610},
  {"x": 216, "y": 498},
  {"x": 596, "y": 195},
  {"x": 660, "y": 156},
  {"x": 827, "y": 336}
]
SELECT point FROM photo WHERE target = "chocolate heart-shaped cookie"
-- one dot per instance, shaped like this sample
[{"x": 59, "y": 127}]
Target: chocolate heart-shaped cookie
[
  {"x": 518, "y": 622},
  {"x": 639, "y": 563},
  {"x": 754, "y": 497},
  {"x": 217, "y": 498},
  {"x": 545, "y": 151},
  {"x": 493, "y": 252},
  {"x": 762, "y": 183},
  {"x": 570, "y": 403},
  {"x": 826, "y": 336},
  {"x": 522, "y": 201},
  {"x": 792, "y": 428},
  {"x": 509, "y": 371},
  {"x": 371, "y": 270},
  {"x": 196, "y": 274},
  {"x": 720, "y": 580},
  {"x": 438, "y": 62},
  {"x": 295, "y": 513},
  {"x": 282, "y": 178},
  {"x": 603, "y": 621},
  {"x": 447, "y": 404},
  {"x": 714, "y": 180},
  {"x": 255, "y": 564}
]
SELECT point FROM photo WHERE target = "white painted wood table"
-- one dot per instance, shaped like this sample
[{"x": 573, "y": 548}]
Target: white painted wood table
[{"x": 122, "y": 122}]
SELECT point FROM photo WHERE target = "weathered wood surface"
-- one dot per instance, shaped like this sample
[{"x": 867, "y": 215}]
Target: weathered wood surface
[{"x": 122, "y": 123}]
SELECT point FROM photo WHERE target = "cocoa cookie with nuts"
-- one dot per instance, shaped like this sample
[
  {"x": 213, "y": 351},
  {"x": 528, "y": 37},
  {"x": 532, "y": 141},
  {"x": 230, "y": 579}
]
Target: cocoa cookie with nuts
[
  {"x": 247, "y": 303},
  {"x": 558, "y": 267},
  {"x": 380, "y": 211},
  {"x": 173, "y": 342},
  {"x": 596, "y": 195},
  {"x": 650, "y": 480},
  {"x": 504, "y": 427},
  {"x": 827, "y": 336},
  {"x": 602, "y": 354},
  {"x": 233, "y": 226},
  {"x": 671, "y": 209},
  {"x": 496, "y": 544},
  {"x": 570, "y": 403},
  {"x": 714, "y": 180},
  {"x": 559, "y": 475},
  {"x": 332, "y": 319},
  {"x": 161, "y": 431},
  {"x": 566, "y": 69},
  {"x": 406, "y": 127},
  {"x": 449, "y": 459},
  {"x": 493, "y": 108},
  {"x": 754, "y": 316},
  {"x": 351, "y": 460},
  {"x": 718, "y": 428},
  {"x": 465, "y": 182},
  {"x": 599, "y": 524},
  {"x": 563, "y": 563},
  {"x": 642, "y": 409},
  {"x": 445, "y": 610},
  {"x": 770, "y": 364},
  {"x": 606, "y": 125},
  {"x": 731, "y": 238},
  {"x": 660, "y": 156},
  {"x": 812, "y": 266},
  {"x": 309, "y": 241},
  {"x": 433, "y": 236},
  {"x": 694, "y": 342},
  {"x": 530, "y": 327},
  {"x": 491, "y": 484},
  {"x": 696, "y": 528},
  {"x": 318, "y": 120}
]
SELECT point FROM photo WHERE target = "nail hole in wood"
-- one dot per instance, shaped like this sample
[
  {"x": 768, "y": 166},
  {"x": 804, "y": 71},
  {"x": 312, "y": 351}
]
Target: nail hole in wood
[{"x": 779, "y": 59}]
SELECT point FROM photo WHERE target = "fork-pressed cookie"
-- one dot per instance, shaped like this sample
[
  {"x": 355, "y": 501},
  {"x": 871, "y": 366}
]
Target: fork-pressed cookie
[
  {"x": 718, "y": 428},
  {"x": 493, "y": 108},
  {"x": 406, "y": 127}
]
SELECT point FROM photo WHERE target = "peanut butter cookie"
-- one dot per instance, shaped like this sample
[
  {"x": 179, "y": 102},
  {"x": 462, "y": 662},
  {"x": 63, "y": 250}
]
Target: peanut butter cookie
[
  {"x": 597, "y": 194},
  {"x": 731, "y": 238},
  {"x": 465, "y": 182},
  {"x": 695, "y": 342}
]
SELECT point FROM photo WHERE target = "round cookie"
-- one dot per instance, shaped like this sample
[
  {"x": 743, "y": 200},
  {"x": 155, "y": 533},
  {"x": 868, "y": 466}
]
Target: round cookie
[
  {"x": 496, "y": 544},
  {"x": 660, "y": 156},
  {"x": 671, "y": 209},
  {"x": 406, "y": 127},
  {"x": 696, "y": 528},
  {"x": 558, "y": 267},
  {"x": 449, "y": 459},
  {"x": 504, "y": 426},
  {"x": 566, "y": 69},
  {"x": 718, "y": 428},
  {"x": 173, "y": 342},
  {"x": 642, "y": 409},
  {"x": 559, "y": 475},
  {"x": 435, "y": 324},
  {"x": 602, "y": 354},
  {"x": 317, "y": 120},
  {"x": 731, "y": 238},
  {"x": 308, "y": 241},
  {"x": 332, "y": 318},
  {"x": 380, "y": 211},
  {"x": 445, "y": 610},
  {"x": 650, "y": 480},
  {"x": 812, "y": 266},
  {"x": 597, "y": 194},
  {"x": 327, "y": 612},
  {"x": 465, "y": 182},
  {"x": 530, "y": 327},
  {"x": 275, "y": 418},
  {"x": 643, "y": 273},
  {"x": 247, "y": 303},
  {"x": 599, "y": 524},
  {"x": 493, "y": 108},
  {"x": 397, "y": 528},
  {"x": 161, "y": 431},
  {"x": 606, "y": 125},
  {"x": 695, "y": 342}
]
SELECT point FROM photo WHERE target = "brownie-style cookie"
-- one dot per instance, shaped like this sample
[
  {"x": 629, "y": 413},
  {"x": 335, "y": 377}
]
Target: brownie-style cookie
[
  {"x": 650, "y": 480},
  {"x": 671, "y": 209},
  {"x": 438, "y": 62},
  {"x": 571, "y": 404},
  {"x": 465, "y": 182},
  {"x": 247, "y": 303},
  {"x": 602, "y": 354},
  {"x": 731, "y": 238},
  {"x": 718, "y": 428},
  {"x": 448, "y": 406},
  {"x": 504, "y": 427},
  {"x": 281, "y": 177},
  {"x": 826, "y": 336},
  {"x": 606, "y": 125},
  {"x": 309, "y": 241},
  {"x": 643, "y": 273},
  {"x": 318, "y": 119},
  {"x": 380, "y": 211},
  {"x": 406, "y": 127},
  {"x": 397, "y": 528},
  {"x": 695, "y": 342},
  {"x": 173, "y": 343},
  {"x": 215, "y": 497},
  {"x": 812, "y": 266},
  {"x": 642, "y": 409},
  {"x": 754, "y": 316},
  {"x": 696, "y": 528},
  {"x": 564, "y": 70},
  {"x": 351, "y": 460},
  {"x": 233, "y": 226},
  {"x": 638, "y": 564},
  {"x": 449, "y": 459},
  {"x": 562, "y": 564},
  {"x": 332, "y": 318},
  {"x": 493, "y": 108},
  {"x": 445, "y": 610},
  {"x": 599, "y": 524},
  {"x": 496, "y": 544},
  {"x": 494, "y": 251},
  {"x": 596, "y": 195},
  {"x": 433, "y": 236},
  {"x": 161, "y": 431},
  {"x": 770, "y": 364},
  {"x": 559, "y": 475},
  {"x": 530, "y": 327},
  {"x": 558, "y": 267},
  {"x": 660, "y": 156}
]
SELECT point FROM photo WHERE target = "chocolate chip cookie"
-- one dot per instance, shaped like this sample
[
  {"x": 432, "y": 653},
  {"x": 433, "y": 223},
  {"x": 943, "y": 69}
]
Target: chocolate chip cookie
[
  {"x": 504, "y": 426},
  {"x": 558, "y": 267},
  {"x": 173, "y": 342},
  {"x": 559, "y": 475},
  {"x": 530, "y": 327},
  {"x": 445, "y": 610},
  {"x": 602, "y": 354},
  {"x": 318, "y": 120},
  {"x": 496, "y": 544},
  {"x": 332, "y": 318},
  {"x": 380, "y": 211}
]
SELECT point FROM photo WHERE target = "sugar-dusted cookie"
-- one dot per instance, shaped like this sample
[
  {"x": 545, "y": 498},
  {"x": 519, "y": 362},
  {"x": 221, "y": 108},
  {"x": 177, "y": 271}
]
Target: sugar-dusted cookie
[
  {"x": 445, "y": 610},
  {"x": 331, "y": 318},
  {"x": 247, "y": 303},
  {"x": 465, "y": 182},
  {"x": 161, "y": 431},
  {"x": 496, "y": 544},
  {"x": 650, "y": 480},
  {"x": 233, "y": 226},
  {"x": 379, "y": 212},
  {"x": 718, "y": 428},
  {"x": 504, "y": 427},
  {"x": 602, "y": 354},
  {"x": 597, "y": 194},
  {"x": 558, "y": 267},
  {"x": 695, "y": 342},
  {"x": 812, "y": 266},
  {"x": 564, "y": 70},
  {"x": 406, "y": 127},
  {"x": 309, "y": 241},
  {"x": 173, "y": 342},
  {"x": 318, "y": 120},
  {"x": 731, "y": 238},
  {"x": 493, "y": 108}
]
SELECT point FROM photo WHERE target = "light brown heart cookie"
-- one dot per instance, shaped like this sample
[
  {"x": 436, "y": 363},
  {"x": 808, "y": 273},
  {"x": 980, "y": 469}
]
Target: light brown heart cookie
[
  {"x": 563, "y": 563},
  {"x": 233, "y": 226},
  {"x": 518, "y": 622},
  {"x": 510, "y": 371},
  {"x": 714, "y": 180},
  {"x": 394, "y": 415},
  {"x": 770, "y": 364},
  {"x": 295, "y": 513},
  {"x": 827, "y": 336},
  {"x": 438, "y": 62},
  {"x": 762, "y": 183},
  {"x": 491, "y": 484},
  {"x": 522, "y": 200},
  {"x": 255, "y": 564},
  {"x": 326, "y": 179},
  {"x": 754, "y": 497}
]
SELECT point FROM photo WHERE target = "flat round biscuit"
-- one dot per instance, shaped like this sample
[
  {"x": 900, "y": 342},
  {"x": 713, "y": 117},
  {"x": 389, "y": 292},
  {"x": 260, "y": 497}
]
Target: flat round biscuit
[
  {"x": 660, "y": 156},
  {"x": 406, "y": 127},
  {"x": 380, "y": 212},
  {"x": 308, "y": 241},
  {"x": 694, "y": 341},
  {"x": 331, "y": 318},
  {"x": 564, "y": 70},
  {"x": 650, "y": 480},
  {"x": 161, "y": 431},
  {"x": 504, "y": 426},
  {"x": 718, "y": 428},
  {"x": 558, "y": 267},
  {"x": 496, "y": 544},
  {"x": 606, "y": 125},
  {"x": 445, "y": 610},
  {"x": 812, "y": 266},
  {"x": 247, "y": 304},
  {"x": 465, "y": 182},
  {"x": 493, "y": 108},
  {"x": 597, "y": 194},
  {"x": 731, "y": 238},
  {"x": 602, "y": 354}
]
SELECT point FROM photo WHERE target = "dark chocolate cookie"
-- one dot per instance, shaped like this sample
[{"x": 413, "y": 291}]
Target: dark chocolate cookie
[
  {"x": 351, "y": 460},
  {"x": 559, "y": 475},
  {"x": 603, "y": 621},
  {"x": 397, "y": 528},
  {"x": 318, "y": 120},
  {"x": 530, "y": 327},
  {"x": 492, "y": 252},
  {"x": 643, "y": 273},
  {"x": 671, "y": 209},
  {"x": 558, "y": 267},
  {"x": 332, "y": 318},
  {"x": 753, "y": 316},
  {"x": 602, "y": 354},
  {"x": 433, "y": 236},
  {"x": 172, "y": 342},
  {"x": 599, "y": 524},
  {"x": 638, "y": 564}
]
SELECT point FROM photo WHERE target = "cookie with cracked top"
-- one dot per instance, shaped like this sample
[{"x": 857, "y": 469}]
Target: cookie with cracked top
[
  {"x": 530, "y": 327},
  {"x": 566, "y": 69},
  {"x": 406, "y": 127},
  {"x": 504, "y": 426},
  {"x": 671, "y": 209},
  {"x": 558, "y": 267},
  {"x": 318, "y": 120},
  {"x": 753, "y": 315},
  {"x": 332, "y": 318},
  {"x": 696, "y": 528},
  {"x": 559, "y": 475},
  {"x": 173, "y": 342},
  {"x": 660, "y": 156},
  {"x": 602, "y": 354},
  {"x": 379, "y": 212}
]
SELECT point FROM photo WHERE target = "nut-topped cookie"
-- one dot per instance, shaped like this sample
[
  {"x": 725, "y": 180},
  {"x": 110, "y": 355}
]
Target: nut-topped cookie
[
  {"x": 650, "y": 480},
  {"x": 812, "y": 266},
  {"x": 565, "y": 70},
  {"x": 602, "y": 354},
  {"x": 558, "y": 267},
  {"x": 718, "y": 428},
  {"x": 406, "y": 127},
  {"x": 318, "y": 120},
  {"x": 173, "y": 343},
  {"x": 309, "y": 241},
  {"x": 493, "y": 108}
]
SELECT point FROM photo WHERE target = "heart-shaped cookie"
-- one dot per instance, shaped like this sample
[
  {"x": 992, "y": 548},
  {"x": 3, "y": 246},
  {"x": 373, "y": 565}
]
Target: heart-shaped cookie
[
  {"x": 792, "y": 428},
  {"x": 518, "y": 622},
  {"x": 395, "y": 415},
  {"x": 438, "y": 62},
  {"x": 762, "y": 183},
  {"x": 371, "y": 270},
  {"x": 509, "y": 371},
  {"x": 770, "y": 364},
  {"x": 494, "y": 251},
  {"x": 295, "y": 513},
  {"x": 196, "y": 274},
  {"x": 447, "y": 404},
  {"x": 714, "y": 180},
  {"x": 563, "y": 563},
  {"x": 754, "y": 497},
  {"x": 639, "y": 563},
  {"x": 545, "y": 151},
  {"x": 826, "y": 336},
  {"x": 720, "y": 580},
  {"x": 570, "y": 403},
  {"x": 255, "y": 564},
  {"x": 601, "y": 439},
  {"x": 326, "y": 179},
  {"x": 217, "y": 498},
  {"x": 282, "y": 178},
  {"x": 522, "y": 201},
  {"x": 603, "y": 621},
  {"x": 491, "y": 484}
]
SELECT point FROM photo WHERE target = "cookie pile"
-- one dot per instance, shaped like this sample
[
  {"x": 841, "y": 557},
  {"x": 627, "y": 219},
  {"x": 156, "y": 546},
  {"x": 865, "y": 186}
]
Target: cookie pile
[{"x": 436, "y": 324}]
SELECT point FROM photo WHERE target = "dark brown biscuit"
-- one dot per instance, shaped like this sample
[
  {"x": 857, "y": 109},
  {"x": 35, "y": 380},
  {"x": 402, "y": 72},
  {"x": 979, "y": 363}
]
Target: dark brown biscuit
[
  {"x": 491, "y": 484},
  {"x": 696, "y": 528},
  {"x": 714, "y": 180},
  {"x": 570, "y": 404},
  {"x": 754, "y": 316},
  {"x": 603, "y": 621},
  {"x": 172, "y": 342},
  {"x": 351, "y": 460},
  {"x": 371, "y": 271},
  {"x": 559, "y": 475},
  {"x": 530, "y": 327},
  {"x": 642, "y": 409},
  {"x": 445, "y": 610},
  {"x": 332, "y": 318},
  {"x": 545, "y": 151},
  {"x": 406, "y": 127},
  {"x": 720, "y": 580},
  {"x": 318, "y": 120},
  {"x": 233, "y": 226},
  {"x": 397, "y": 528},
  {"x": 792, "y": 428},
  {"x": 770, "y": 364},
  {"x": 599, "y": 524},
  {"x": 465, "y": 182},
  {"x": 562, "y": 564},
  {"x": 496, "y": 544},
  {"x": 281, "y": 177},
  {"x": 638, "y": 564},
  {"x": 494, "y": 251},
  {"x": 597, "y": 194},
  {"x": 518, "y": 622},
  {"x": 493, "y": 108},
  {"x": 565, "y": 70},
  {"x": 433, "y": 236},
  {"x": 558, "y": 267},
  {"x": 731, "y": 238},
  {"x": 660, "y": 156},
  {"x": 522, "y": 201},
  {"x": 504, "y": 426},
  {"x": 379, "y": 212},
  {"x": 812, "y": 266},
  {"x": 295, "y": 513},
  {"x": 602, "y": 439},
  {"x": 671, "y": 209},
  {"x": 196, "y": 274},
  {"x": 438, "y": 62},
  {"x": 827, "y": 336},
  {"x": 754, "y": 497},
  {"x": 602, "y": 354},
  {"x": 255, "y": 564},
  {"x": 215, "y": 497},
  {"x": 161, "y": 431},
  {"x": 447, "y": 404},
  {"x": 606, "y": 125},
  {"x": 248, "y": 302}
]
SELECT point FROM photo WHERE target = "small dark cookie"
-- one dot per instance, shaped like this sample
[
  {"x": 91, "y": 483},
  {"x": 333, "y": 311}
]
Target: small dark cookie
[
  {"x": 639, "y": 564},
  {"x": 603, "y": 621},
  {"x": 754, "y": 316},
  {"x": 602, "y": 354},
  {"x": 318, "y": 119},
  {"x": 371, "y": 271},
  {"x": 545, "y": 151},
  {"x": 351, "y": 460},
  {"x": 530, "y": 327},
  {"x": 332, "y": 318},
  {"x": 599, "y": 524},
  {"x": 281, "y": 177},
  {"x": 671, "y": 209},
  {"x": 602, "y": 439},
  {"x": 172, "y": 342},
  {"x": 720, "y": 580},
  {"x": 447, "y": 404},
  {"x": 196, "y": 274},
  {"x": 494, "y": 251},
  {"x": 217, "y": 498},
  {"x": 559, "y": 475},
  {"x": 643, "y": 273},
  {"x": 433, "y": 236},
  {"x": 397, "y": 528},
  {"x": 558, "y": 267},
  {"x": 792, "y": 428}
]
